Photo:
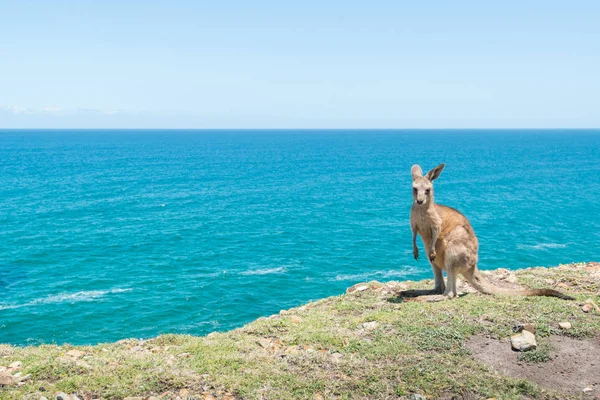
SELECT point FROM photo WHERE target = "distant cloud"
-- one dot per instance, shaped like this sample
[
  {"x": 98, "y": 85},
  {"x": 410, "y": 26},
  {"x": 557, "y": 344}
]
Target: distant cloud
[
  {"x": 54, "y": 117},
  {"x": 55, "y": 111}
]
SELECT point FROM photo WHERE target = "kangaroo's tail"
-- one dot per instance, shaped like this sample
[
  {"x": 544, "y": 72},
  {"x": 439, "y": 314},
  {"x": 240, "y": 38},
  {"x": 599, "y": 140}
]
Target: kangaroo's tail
[{"x": 478, "y": 281}]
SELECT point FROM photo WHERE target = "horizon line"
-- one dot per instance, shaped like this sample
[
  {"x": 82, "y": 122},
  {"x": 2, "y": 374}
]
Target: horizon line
[{"x": 304, "y": 129}]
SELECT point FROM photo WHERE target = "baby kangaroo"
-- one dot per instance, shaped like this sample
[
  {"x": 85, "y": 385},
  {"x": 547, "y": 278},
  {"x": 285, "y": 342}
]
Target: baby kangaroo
[{"x": 450, "y": 243}]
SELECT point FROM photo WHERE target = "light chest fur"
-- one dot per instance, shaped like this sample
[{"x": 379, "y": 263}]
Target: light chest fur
[{"x": 425, "y": 219}]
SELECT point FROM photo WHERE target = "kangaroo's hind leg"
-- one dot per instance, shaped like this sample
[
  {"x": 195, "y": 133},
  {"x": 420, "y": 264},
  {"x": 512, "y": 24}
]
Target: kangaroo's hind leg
[
  {"x": 438, "y": 276},
  {"x": 451, "y": 273},
  {"x": 453, "y": 267},
  {"x": 421, "y": 294}
]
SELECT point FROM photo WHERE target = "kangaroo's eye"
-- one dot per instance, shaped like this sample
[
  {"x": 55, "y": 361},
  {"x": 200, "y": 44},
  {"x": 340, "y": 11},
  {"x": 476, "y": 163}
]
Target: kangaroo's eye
[
  {"x": 415, "y": 190},
  {"x": 427, "y": 191}
]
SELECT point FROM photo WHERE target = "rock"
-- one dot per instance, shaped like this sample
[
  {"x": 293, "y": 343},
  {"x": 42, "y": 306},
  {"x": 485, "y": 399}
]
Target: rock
[
  {"x": 15, "y": 365},
  {"x": 184, "y": 392},
  {"x": 212, "y": 335},
  {"x": 7, "y": 380},
  {"x": 284, "y": 312},
  {"x": 416, "y": 396},
  {"x": 523, "y": 341},
  {"x": 587, "y": 307},
  {"x": 336, "y": 357},
  {"x": 393, "y": 286},
  {"x": 24, "y": 378},
  {"x": 318, "y": 396},
  {"x": 75, "y": 353},
  {"x": 370, "y": 325},
  {"x": 62, "y": 396},
  {"x": 264, "y": 343},
  {"x": 565, "y": 325},
  {"x": 357, "y": 288},
  {"x": 593, "y": 305},
  {"x": 587, "y": 389},
  {"x": 295, "y": 319}
]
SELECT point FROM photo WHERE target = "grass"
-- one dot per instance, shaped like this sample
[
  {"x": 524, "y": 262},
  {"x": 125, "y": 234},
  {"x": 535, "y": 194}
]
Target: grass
[
  {"x": 325, "y": 350},
  {"x": 540, "y": 355}
]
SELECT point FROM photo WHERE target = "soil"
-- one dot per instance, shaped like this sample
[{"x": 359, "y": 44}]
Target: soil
[{"x": 575, "y": 364}]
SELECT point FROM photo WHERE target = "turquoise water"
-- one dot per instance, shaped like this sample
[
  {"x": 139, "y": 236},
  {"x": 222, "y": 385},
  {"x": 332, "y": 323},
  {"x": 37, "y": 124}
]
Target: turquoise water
[{"x": 112, "y": 234}]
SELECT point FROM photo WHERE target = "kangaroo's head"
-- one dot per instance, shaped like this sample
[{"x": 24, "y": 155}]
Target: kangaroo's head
[{"x": 422, "y": 191}]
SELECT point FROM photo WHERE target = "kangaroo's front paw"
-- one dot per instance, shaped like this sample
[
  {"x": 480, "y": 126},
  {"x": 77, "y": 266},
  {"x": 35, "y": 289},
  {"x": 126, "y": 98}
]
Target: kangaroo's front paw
[
  {"x": 432, "y": 255},
  {"x": 416, "y": 253}
]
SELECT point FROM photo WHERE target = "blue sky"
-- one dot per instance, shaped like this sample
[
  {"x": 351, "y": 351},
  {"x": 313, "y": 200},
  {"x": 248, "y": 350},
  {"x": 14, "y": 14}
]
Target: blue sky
[{"x": 302, "y": 64}]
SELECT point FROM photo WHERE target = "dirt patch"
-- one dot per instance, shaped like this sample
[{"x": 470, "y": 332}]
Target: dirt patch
[{"x": 575, "y": 364}]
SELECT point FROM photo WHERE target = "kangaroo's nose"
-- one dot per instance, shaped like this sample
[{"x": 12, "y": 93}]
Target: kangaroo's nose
[{"x": 420, "y": 201}]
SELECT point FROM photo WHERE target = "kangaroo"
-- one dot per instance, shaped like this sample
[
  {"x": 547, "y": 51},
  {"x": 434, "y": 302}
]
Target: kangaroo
[{"x": 450, "y": 243}]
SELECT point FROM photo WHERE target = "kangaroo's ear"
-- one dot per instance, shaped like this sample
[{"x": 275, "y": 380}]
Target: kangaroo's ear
[
  {"x": 416, "y": 172},
  {"x": 435, "y": 173}
]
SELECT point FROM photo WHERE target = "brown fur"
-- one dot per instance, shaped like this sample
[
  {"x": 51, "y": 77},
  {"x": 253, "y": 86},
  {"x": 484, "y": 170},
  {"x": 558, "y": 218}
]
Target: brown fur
[{"x": 450, "y": 243}]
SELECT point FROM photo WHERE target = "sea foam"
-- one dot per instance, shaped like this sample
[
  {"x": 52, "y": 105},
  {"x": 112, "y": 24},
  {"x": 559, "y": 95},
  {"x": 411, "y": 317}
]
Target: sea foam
[
  {"x": 265, "y": 271},
  {"x": 542, "y": 246},
  {"x": 67, "y": 298}
]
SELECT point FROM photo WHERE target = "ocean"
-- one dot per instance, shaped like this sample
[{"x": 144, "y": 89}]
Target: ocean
[{"x": 106, "y": 235}]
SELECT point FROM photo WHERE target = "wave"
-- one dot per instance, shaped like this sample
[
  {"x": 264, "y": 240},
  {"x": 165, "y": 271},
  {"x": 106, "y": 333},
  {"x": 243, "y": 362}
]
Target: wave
[
  {"x": 541, "y": 246},
  {"x": 375, "y": 274},
  {"x": 265, "y": 271},
  {"x": 67, "y": 297}
]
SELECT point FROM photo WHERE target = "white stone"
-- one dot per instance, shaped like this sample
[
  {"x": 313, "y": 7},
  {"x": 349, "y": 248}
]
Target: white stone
[
  {"x": 370, "y": 325},
  {"x": 15, "y": 365},
  {"x": 523, "y": 341},
  {"x": 75, "y": 353},
  {"x": 564, "y": 325}
]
